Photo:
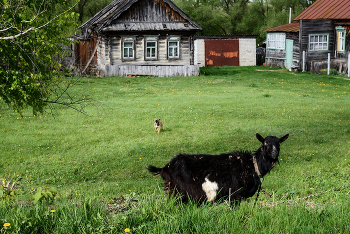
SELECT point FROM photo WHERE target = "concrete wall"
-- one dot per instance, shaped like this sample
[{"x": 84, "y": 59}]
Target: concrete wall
[
  {"x": 199, "y": 52},
  {"x": 247, "y": 51}
]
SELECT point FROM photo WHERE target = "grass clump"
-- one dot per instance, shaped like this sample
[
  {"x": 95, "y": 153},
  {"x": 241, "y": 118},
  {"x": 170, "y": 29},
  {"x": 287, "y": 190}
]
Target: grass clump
[
  {"x": 161, "y": 216},
  {"x": 79, "y": 217}
]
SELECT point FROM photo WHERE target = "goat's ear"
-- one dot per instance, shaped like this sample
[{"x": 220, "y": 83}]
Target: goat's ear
[
  {"x": 284, "y": 138},
  {"x": 260, "y": 138}
]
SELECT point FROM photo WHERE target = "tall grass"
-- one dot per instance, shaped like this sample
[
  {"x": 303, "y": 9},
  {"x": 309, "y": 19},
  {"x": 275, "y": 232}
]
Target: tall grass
[
  {"x": 153, "y": 214},
  {"x": 103, "y": 155},
  {"x": 78, "y": 217},
  {"x": 157, "y": 216}
]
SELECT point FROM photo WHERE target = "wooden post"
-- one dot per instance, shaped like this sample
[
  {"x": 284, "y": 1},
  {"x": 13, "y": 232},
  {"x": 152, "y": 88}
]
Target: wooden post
[
  {"x": 303, "y": 60},
  {"x": 229, "y": 196},
  {"x": 329, "y": 63},
  {"x": 348, "y": 64}
]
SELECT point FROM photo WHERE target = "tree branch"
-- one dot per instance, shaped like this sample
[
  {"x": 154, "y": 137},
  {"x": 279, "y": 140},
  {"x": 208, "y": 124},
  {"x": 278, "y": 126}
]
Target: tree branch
[{"x": 23, "y": 33}]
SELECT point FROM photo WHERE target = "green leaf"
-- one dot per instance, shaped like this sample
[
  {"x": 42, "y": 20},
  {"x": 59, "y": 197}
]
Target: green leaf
[
  {"x": 38, "y": 195},
  {"x": 53, "y": 190}
]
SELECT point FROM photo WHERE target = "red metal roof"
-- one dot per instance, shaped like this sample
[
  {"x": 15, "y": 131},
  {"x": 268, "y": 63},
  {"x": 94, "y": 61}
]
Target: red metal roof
[
  {"x": 292, "y": 27},
  {"x": 326, "y": 9}
]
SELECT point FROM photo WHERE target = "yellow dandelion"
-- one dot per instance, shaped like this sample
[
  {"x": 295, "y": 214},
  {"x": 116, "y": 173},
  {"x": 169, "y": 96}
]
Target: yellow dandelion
[
  {"x": 52, "y": 211},
  {"x": 127, "y": 230},
  {"x": 7, "y": 224}
]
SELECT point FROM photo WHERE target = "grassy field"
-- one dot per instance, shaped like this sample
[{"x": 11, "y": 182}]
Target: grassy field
[{"x": 97, "y": 162}]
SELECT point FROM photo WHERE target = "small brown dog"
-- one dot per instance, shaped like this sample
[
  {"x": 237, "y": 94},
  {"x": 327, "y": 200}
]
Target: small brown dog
[{"x": 158, "y": 125}]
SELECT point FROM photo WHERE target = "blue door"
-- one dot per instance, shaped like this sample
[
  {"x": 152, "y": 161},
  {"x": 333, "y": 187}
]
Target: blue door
[{"x": 289, "y": 54}]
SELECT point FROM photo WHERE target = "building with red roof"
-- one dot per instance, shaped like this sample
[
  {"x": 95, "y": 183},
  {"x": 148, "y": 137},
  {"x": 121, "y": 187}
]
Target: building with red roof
[{"x": 305, "y": 43}]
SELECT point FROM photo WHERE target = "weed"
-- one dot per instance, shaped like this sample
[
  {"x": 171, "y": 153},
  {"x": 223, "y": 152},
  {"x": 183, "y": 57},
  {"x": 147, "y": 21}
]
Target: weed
[
  {"x": 7, "y": 191},
  {"x": 47, "y": 195}
]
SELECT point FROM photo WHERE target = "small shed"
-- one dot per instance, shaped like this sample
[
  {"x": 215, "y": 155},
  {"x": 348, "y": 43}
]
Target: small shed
[
  {"x": 225, "y": 50},
  {"x": 138, "y": 37}
]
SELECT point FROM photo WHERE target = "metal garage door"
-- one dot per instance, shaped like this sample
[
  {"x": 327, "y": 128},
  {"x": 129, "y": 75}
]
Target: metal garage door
[{"x": 222, "y": 52}]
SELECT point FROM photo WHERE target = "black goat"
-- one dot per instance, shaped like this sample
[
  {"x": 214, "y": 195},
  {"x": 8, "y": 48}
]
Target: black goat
[{"x": 212, "y": 177}]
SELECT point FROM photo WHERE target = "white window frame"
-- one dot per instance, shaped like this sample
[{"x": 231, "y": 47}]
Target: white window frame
[
  {"x": 318, "y": 43},
  {"x": 130, "y": 49},
  {"x": 276, "y": 41},
  {"x": 172, "y": 48},
  {"x": 341, "y": 34},
  {"x": 149, "y": 48}
]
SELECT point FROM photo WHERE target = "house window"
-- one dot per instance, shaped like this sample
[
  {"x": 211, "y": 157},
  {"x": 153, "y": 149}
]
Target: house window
[
  {"x": 276, "y": 41},
  {"x": 128, "y": 49},
  {"x": 174, "y": 48},
  {"x": 340, "y": 39},
  {"x": 318, "y": 42},
  {"x": 151, "y": 48}
]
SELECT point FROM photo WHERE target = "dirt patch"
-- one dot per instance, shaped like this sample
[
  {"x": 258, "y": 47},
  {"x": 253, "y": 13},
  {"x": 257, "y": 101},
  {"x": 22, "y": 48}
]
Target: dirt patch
[
  {"x": 268, "y": 70},
  {"x": 291, "y": 203},
  {"x": 121, "y": 204}
]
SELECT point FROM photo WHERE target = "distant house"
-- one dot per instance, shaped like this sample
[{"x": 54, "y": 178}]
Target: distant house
[
  {"x": 320, "y": 29},
  {"x": 138, "y": 37}
]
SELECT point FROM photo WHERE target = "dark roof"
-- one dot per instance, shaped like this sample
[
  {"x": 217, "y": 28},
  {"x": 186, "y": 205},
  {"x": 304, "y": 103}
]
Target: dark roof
[
  {"x": 292, "y": 27},
  {"x": 326, "y": 9},
  {"x": 103, "y": 19}
]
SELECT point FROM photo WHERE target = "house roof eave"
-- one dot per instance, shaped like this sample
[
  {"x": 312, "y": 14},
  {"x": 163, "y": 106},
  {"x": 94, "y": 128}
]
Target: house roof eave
[
  {"x": 117, "y": 7},
  {"x": 292, "y": 27}
]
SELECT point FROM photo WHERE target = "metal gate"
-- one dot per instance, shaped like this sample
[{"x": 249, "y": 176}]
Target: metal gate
[
  {"x": 222, "y": 52},
  {"x": 260, "y": 56}
]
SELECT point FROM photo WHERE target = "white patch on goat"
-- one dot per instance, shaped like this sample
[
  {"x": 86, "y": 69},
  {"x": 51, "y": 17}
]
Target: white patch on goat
[{"x": 210, "y": 189}]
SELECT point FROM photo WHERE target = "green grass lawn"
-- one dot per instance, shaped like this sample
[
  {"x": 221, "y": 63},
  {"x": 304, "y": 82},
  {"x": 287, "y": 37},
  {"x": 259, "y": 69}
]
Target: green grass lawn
[{"x": 103, "y": 155}]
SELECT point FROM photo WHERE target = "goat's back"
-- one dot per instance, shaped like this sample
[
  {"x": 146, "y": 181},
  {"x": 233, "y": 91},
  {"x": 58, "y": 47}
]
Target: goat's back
[{"x": 195, "y": 175}]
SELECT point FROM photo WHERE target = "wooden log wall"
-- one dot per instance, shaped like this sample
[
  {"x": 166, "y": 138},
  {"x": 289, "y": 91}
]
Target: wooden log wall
[
  {"x": 112, "y": 48},
  {"x": 320, "y": 26},
  {"x": 276, "y": 54},
  {"x": 296, "y": 47},
  {"x": 158, "y": 71}
]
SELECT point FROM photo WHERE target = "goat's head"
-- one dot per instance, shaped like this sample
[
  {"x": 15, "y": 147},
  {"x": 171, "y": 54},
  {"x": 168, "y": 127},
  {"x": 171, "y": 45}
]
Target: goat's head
[{"x": 271, "y": 145}]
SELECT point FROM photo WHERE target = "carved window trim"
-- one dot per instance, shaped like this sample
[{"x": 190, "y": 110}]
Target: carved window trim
[
  {"x": 341, "y": 37},
  {"x": 151, "y": 48},
  {"x": 173, "y": 45},
  {"x": 128, "y": 48}
]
